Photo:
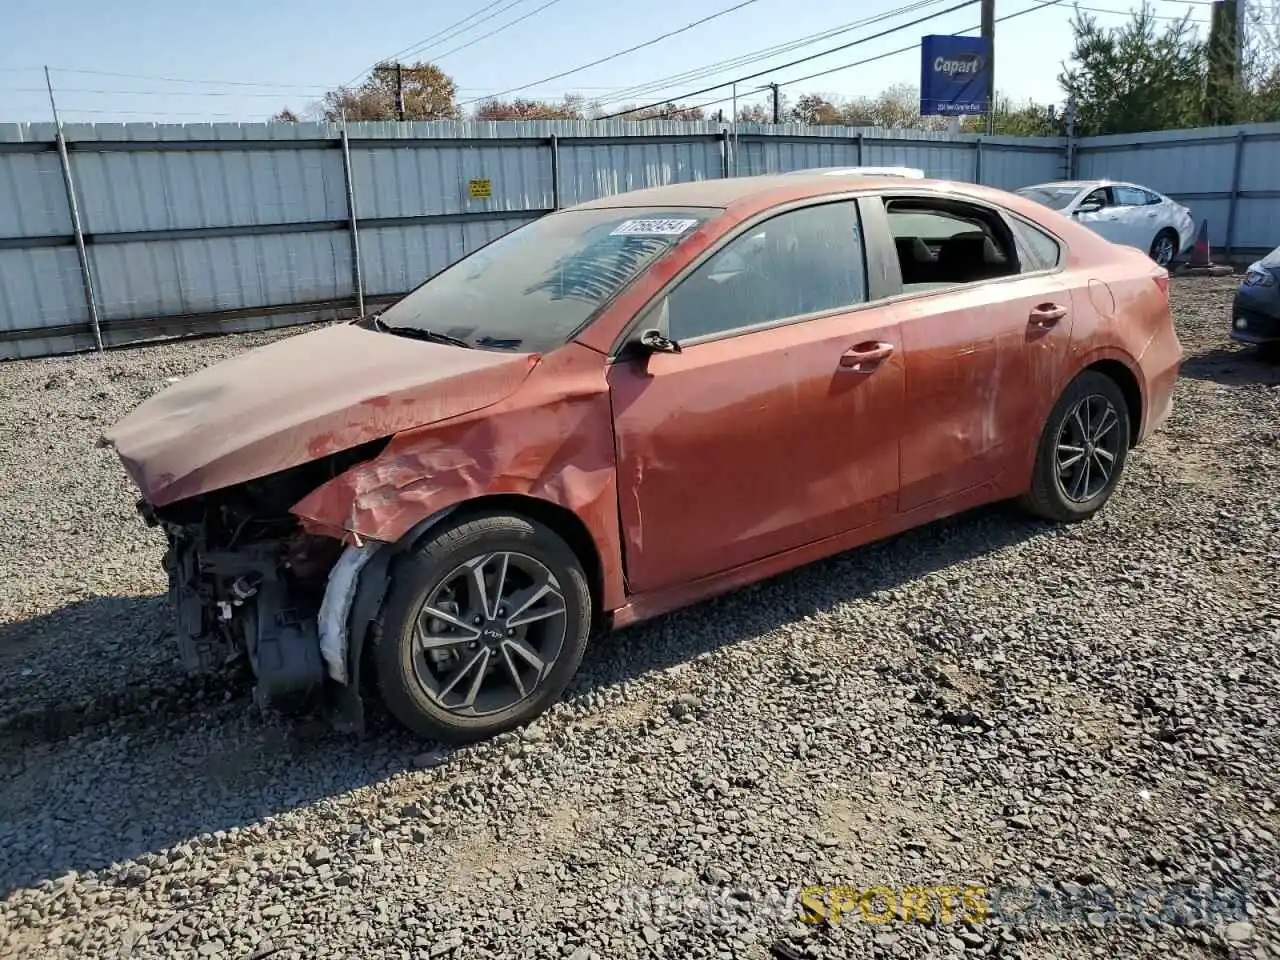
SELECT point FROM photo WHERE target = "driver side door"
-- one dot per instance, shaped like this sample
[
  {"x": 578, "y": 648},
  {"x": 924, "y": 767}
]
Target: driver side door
[
  {"x": 777, "y": 424},
  {"x": 1106, "y": 221}
]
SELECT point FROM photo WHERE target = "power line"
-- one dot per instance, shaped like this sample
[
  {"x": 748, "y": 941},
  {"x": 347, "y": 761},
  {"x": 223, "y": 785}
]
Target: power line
[
  {"x": 148, "y": 93},
  {"x": 913, "y": 46},
  {"x": 225, "y": 83},
  {"x": 814, "y": 56},
  {"x": 697, "y": 73},
  {"x": 916, "y": 45},
  {"x": 623, "y": 53},
  {"x": 419, "y": 44},
  {"x": 486, "y": 36}
]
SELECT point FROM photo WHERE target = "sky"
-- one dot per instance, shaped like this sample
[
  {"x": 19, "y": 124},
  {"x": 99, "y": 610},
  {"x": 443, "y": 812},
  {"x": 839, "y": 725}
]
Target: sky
[{"x": 245, "y": 59}]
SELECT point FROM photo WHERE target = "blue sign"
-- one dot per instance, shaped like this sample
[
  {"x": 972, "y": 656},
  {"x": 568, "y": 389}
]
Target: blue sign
[{"x": 955, "y": 75}]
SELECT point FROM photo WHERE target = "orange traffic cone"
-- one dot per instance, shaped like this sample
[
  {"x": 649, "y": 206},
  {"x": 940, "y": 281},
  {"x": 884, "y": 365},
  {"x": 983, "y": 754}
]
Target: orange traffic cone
[{"x": 1200, "y": 253}]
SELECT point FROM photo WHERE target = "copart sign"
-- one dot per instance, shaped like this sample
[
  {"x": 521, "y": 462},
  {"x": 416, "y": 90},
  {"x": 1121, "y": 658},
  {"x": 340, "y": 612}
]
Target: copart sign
[{"x": 955, "y": 75}]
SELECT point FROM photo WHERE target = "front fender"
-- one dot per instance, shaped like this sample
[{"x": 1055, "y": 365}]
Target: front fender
[{"x": 553, "y": 441}]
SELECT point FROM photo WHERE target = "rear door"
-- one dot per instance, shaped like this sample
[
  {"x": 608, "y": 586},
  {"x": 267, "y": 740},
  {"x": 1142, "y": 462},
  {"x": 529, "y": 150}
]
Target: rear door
[
  {"x": 1139, "y": 215},
  {"x": 986, "y": 332}
]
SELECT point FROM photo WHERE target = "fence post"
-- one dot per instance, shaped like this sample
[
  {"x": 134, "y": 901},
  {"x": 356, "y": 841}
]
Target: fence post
[
  {"x": 86, "y": 274},
  {"x": 555, "y": 171},
  {"x": 357, "y": 275},
  {"x": 724, "y": 152},
  {"x": 1235, "y": 194},
  {"x": 1071, "y": 139},
  {"x": 977, "y": 161},
  {"x": 859, "y": 140}
]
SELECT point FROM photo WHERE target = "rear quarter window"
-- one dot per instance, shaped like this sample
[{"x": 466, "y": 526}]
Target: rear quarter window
[{"x": 1037, "y": 250}]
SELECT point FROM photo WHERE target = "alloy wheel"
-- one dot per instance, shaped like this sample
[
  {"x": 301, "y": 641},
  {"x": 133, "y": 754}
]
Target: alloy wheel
[
  {"x": 1088, "y": 446},
  {"x": 488, "y": 634},
  {"x": 1163, "y": 252}
]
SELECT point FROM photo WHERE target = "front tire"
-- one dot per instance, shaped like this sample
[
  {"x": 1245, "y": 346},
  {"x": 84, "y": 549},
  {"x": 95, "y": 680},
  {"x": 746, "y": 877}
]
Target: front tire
[
  {"x": 1164, "y": 248},
  {"x": 1082, "y": 451},
  {"x": 486, "y": 623}
]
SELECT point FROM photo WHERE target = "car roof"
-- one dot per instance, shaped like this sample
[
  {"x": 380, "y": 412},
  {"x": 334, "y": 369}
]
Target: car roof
[{"x": 779, "y": 187}]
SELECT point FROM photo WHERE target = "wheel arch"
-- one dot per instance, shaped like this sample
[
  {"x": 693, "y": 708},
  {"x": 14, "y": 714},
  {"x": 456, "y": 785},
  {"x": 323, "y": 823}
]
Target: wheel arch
[
  {"x": 559, "y": 519},
  {"x": 1124, "y": 378}
]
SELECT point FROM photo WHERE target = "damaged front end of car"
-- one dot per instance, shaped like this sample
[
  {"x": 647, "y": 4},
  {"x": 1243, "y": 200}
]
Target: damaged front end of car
[{"x": 247, "y": 582}]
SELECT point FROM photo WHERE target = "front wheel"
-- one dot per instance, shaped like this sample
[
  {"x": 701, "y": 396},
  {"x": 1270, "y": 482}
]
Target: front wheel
[
  {"x": 1164, "y": 248},
  {"x": 1082, "y": 451},
  {"x": 485, "y": 626}
]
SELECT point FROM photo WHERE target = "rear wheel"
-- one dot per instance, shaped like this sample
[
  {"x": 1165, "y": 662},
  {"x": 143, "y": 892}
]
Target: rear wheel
[
  {"x": 486, "y": 624},
  {"x": 1082, "y": 450},
  {"x": 1164, "y": 248}
]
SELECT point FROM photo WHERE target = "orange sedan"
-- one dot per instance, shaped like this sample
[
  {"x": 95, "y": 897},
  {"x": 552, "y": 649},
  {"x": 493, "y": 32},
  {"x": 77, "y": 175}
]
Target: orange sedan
[{"x": 628, "y": 406}]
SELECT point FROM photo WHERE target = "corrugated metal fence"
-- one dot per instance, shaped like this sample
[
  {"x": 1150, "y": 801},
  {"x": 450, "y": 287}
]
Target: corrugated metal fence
[
  {"x": 190, "y": 228},
  {"x": 200, "y": 227}
]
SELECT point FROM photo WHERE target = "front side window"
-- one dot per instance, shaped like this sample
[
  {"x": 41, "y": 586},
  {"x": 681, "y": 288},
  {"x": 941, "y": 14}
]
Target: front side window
[
  {"x": 800, "y": 262},
  {"x": 1098, "y": 198},
  {"x": 532, "y": 289}
]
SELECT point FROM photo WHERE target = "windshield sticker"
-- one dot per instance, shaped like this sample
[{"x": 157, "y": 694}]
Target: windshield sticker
[{"x": 652, "y": 228}]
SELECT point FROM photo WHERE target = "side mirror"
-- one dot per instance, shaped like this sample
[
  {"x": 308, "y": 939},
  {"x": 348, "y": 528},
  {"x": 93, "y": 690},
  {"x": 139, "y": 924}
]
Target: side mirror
[
  {"x": 654, "y": 341},
  {"x": 1092, "y": 206}
]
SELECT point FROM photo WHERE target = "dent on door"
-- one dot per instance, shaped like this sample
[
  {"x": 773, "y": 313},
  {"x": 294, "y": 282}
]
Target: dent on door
[{"x": 982, "y": 364}]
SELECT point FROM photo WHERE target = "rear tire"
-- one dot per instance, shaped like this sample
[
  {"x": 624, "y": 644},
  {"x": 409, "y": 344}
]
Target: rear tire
[
  {"x": 1164, "y": 248},
  {"x": 1082, "y": 451},
  {"x": 485, "y": 625}
]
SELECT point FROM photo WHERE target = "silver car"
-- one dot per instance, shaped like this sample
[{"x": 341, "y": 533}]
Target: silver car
[{"x": 1125, "y": 213}]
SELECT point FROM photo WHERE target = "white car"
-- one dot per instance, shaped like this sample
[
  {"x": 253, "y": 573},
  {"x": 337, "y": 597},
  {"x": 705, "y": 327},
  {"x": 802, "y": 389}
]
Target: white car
[
  {"x": 1124, "y": 213},
  {"x": 908, "y": 173}
]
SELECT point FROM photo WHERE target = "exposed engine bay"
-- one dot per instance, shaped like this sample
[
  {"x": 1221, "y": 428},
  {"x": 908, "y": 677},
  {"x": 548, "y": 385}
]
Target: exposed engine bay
[{"x": 245, "y": 581}]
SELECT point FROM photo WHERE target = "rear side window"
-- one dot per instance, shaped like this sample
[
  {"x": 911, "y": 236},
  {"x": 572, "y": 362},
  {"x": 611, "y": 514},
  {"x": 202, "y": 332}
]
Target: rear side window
[
  {"x": 1037, "y": 250},
  {"x": 1130, "y": 196},
  {"x": 944, "y": 243},
  {"x": 800, "y": 262}
]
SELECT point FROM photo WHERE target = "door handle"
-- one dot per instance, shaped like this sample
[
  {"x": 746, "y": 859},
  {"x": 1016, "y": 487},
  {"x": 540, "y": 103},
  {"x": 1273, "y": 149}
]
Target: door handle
[
  {"x": 1047, "y": 314},
  {"x": 865, "y": 356}
]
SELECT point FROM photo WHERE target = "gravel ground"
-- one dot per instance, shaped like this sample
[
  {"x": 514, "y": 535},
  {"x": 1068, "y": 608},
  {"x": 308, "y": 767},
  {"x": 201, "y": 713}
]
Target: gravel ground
[{"x": 984, "y": 701}]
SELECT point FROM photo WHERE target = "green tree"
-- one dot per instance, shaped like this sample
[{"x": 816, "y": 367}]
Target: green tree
[
  {"x": 1133, "y": 77},
  {"x": 428, "y": 95}
]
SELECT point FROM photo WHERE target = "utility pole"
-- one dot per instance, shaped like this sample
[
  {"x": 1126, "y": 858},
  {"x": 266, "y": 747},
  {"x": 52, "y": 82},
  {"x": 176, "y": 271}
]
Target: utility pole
[
  {"x": 399, "y": 69},
  {"x": 777, "y": 103},
  {"x": 1242, "y": 17},
  {"x": 989, "y": 35}
]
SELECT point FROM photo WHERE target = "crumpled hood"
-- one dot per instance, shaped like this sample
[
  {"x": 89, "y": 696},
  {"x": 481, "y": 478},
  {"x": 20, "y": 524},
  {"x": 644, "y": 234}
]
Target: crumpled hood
[{"x": 300, "y": 399}]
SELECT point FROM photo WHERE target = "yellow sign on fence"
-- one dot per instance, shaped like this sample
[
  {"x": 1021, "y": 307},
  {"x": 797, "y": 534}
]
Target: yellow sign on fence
[{"x": 480, "y": 189}]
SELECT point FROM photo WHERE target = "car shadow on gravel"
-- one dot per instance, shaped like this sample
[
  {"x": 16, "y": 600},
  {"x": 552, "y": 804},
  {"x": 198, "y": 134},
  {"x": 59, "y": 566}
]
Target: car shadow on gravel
[
  {"x": 1238, "y": 366},
  {"x": 83, "y": 664},
  {"x": 813, "y": 589},
  {"x": 172, "y": 769}
]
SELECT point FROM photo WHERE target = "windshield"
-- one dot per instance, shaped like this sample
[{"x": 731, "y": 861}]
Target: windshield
[
  {"x": 533, "y": 288},
  {"x": 1272, "y": 259},
  {"x": 1055, "y": 198}
]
